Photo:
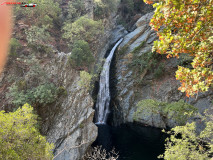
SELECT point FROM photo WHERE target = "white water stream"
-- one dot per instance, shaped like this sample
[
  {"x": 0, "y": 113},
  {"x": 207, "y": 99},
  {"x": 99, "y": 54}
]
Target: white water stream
[{"x": 103, "y": 98}]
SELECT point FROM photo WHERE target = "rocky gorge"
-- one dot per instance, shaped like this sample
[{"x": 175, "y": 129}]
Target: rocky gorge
[{"x": 68, "y": 122}]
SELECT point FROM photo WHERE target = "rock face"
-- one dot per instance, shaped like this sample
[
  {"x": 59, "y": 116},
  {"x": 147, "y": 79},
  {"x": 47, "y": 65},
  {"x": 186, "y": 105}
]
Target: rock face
[
  {"x": 130, "y": 91},
  {"x": 68, "y": 123},
  {"x": 111, "y": 35}
]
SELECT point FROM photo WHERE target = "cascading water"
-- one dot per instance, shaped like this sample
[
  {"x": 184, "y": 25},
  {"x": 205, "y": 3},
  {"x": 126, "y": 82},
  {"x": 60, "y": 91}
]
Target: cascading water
[
  {"x": 136, "y": 145},
  {"x": 103, "y": 98}
]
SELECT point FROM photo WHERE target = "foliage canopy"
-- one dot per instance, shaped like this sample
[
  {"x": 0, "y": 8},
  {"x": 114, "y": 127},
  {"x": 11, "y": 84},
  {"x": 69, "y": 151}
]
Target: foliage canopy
[
  {"x": 104, "y": 7},
  {"x": 184, "y": 143},
  {"x": 40, "y": 95},
  {"x": 185, "y": 26},
  {"x": 37, "y": 35},
  {"x": 83, "y": 29},
  {"x": 20, "y": 138},
  {"x": 81, "y": 54},
  {"x": 76, "y": 9}
]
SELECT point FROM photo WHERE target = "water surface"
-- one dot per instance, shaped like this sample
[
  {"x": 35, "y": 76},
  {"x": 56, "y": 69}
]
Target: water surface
[{"x": 133, "y": 142}]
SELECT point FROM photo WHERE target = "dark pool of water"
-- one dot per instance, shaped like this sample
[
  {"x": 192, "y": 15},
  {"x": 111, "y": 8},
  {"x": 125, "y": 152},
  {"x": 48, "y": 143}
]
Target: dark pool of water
[{"x": 133, "y": 142}]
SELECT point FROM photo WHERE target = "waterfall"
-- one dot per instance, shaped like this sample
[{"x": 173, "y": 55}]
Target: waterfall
[{"x": 103, "y": 98}]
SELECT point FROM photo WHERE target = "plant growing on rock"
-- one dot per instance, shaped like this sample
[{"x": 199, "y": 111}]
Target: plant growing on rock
[
  {"x": 20, "y": 137},
  {"x": 81, "y": 54},
  {"x": 37, "y": 36},
  {"x": 38, "y": 24},
  {"x": 146, "y": 62},
  {"x": 185, "y": 26},
  {"x": 150, "y": 105},
  {"x": 83, "y": 28},
  {"x": 75, "y": 10},
  {"x": 123, "y": 50},
  {"x": 140, "y": 63},
  {"x": 44, "y": 94},
  {"x": 127, "y": 6},
  {"x": 61, "y": 91},
  {"x": 34, "y": 87},
  {"x": 40, "y": 95},
  {"x": 179, "y": 111},
  {"x": 185, "y": 60},
  {"x": 85, "y": 80},
  {"x": 159, "y": 71}
]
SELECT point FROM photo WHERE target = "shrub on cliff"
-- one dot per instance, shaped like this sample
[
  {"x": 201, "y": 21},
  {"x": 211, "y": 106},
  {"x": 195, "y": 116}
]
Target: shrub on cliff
[
  {"x": 20, "y": 138},
  {"x": 38, "y": 37},
  {"x": 34, "y": 87},
  {"x": 81, "y": 54},
  {"x": 147, "y": 61},
  {"x": 38, "y": 23},
  {"x": 83, "y": 29},
  {"x": 40, "y": 95},
  {"x": 85, "y": 80},
  {"x": 127, "y": 6}
]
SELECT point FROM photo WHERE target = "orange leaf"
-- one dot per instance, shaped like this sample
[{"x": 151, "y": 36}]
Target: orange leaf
[
  {"x": 168, "y": 56},
  {"x": 149, "y": 2}
]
